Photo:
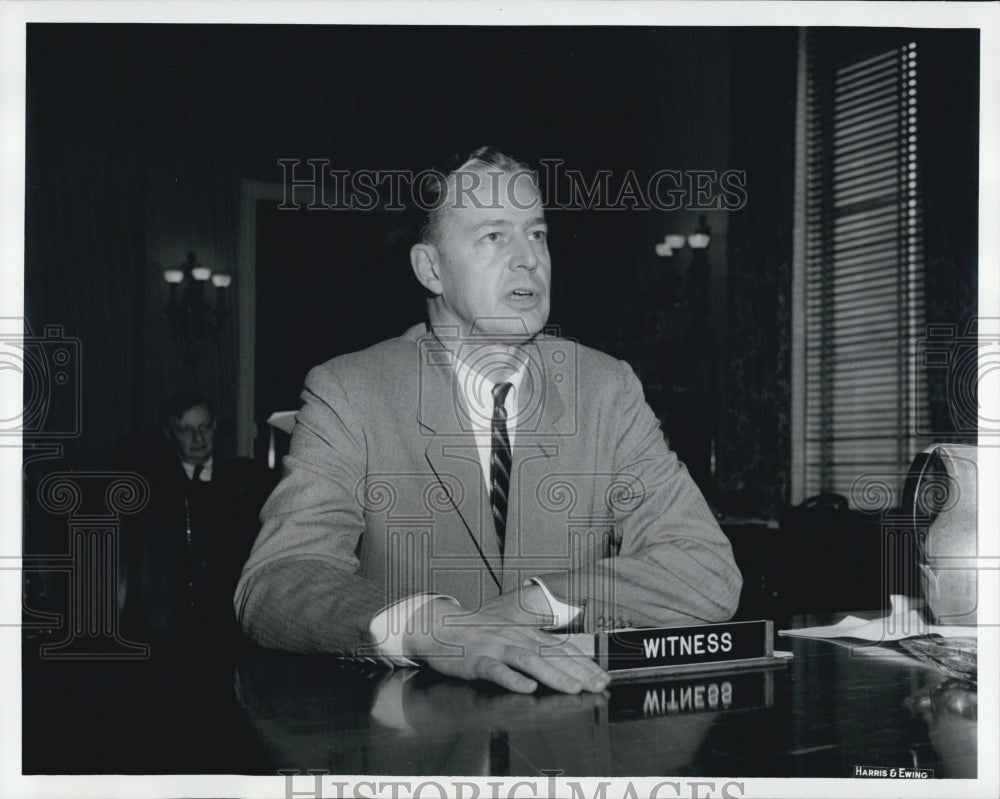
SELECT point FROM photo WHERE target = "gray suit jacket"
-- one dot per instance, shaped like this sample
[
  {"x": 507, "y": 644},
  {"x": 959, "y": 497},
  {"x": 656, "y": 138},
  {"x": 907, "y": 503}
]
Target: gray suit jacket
[{"x": 383, "y": 496}]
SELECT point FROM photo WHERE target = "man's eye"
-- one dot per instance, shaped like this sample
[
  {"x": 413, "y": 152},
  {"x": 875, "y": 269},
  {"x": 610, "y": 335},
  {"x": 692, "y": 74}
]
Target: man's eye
[
  {"x": 539, "y": 235},
  {"x": 492, "y": 236}
]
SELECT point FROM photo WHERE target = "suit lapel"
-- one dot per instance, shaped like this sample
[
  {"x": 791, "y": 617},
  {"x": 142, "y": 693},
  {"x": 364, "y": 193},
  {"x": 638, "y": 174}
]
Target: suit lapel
[{"x": 451, "y": 450}]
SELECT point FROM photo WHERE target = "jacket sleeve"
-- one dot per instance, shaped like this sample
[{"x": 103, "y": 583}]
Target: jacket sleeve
[
  {"x": 672, "y": 564},
  {"x": 300, "y": 589}
]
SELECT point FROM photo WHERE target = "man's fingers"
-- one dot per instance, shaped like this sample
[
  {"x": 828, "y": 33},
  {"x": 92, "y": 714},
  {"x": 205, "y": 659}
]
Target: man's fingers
[
  {"x": 563, "y": 657},
  {"x": 530, "y": 670},
  {"x": 560, "y": 666},
  {"x": 485, "y": 646},
  {"x": 559, "y": 675},
  {"x": 576, "y": 664},
  {"x": 493, "y": 670},
  {"x": 590, "y": 676}
]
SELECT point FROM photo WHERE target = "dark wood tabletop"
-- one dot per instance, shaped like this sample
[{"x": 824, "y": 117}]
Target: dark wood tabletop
[{"x": 826, "y": 712}]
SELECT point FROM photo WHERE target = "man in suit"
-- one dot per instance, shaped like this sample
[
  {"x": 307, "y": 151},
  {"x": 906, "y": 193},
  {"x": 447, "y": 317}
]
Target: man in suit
[
  {"x": 182, "y": 556},
  {"x": 461, "y": 494}
]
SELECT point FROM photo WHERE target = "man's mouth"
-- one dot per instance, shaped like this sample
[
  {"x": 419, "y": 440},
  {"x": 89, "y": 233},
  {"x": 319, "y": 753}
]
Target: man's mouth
[{"x": 522, "y": 293}]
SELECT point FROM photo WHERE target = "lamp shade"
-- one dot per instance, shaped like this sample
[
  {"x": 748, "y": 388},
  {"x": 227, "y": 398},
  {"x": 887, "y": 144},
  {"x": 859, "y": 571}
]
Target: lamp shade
[{"x": 698, "y": 241}]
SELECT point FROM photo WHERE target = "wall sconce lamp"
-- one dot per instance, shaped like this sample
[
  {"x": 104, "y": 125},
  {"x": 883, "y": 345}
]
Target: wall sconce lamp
[
  {"x": 191, "y": 317},
  {"x": 699, "y": 240}
]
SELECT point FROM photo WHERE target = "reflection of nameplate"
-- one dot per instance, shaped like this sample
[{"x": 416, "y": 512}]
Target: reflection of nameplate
[
  {"x": 633, "y": 654},
  {"x": 740, "y": 690}
]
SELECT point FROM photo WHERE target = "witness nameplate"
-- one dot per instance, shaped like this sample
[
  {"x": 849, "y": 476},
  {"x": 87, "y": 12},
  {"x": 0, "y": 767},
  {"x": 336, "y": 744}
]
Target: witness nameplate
[{"x": 636, "y": 653}]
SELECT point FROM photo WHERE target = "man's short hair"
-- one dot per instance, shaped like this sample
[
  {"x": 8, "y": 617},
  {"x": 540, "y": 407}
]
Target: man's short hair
[
  {"x": 183, "y": 401},
  {"x": 434, "y": 186}
]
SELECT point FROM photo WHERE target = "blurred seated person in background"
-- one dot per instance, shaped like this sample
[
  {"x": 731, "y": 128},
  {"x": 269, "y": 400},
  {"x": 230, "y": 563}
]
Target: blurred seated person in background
[
  {"x": 181, "y": 557},
  {"x": 455, "y": 496}
]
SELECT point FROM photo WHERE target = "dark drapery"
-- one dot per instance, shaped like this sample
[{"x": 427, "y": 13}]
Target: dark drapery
[{"x": 754, "y": 442}]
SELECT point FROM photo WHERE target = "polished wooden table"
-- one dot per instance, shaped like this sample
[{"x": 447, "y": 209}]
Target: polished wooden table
[{"x": 826, "y": 712}]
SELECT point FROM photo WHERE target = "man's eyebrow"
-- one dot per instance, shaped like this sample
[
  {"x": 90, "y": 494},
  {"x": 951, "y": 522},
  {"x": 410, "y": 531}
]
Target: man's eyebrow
[
  {"x": 538, "y": 220},
  {"x": 492, "y": 223}
]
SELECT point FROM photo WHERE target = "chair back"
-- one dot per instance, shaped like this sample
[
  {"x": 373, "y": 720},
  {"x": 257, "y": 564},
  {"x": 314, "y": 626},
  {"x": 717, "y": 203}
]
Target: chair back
[{"x": 941, "y": 492}]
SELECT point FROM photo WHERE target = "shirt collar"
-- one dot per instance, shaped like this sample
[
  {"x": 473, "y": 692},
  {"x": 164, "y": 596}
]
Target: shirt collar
[
  {"x": 477, "y": 391},
  {"x": 206, "y": 470}
]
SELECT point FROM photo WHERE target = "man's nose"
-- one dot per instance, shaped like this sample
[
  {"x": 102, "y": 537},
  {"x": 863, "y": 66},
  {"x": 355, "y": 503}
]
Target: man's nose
[{"x": 525, "y": 257}]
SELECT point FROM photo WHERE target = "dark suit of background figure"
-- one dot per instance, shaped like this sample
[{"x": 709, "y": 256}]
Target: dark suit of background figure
[{"x": 179, "y": 588}]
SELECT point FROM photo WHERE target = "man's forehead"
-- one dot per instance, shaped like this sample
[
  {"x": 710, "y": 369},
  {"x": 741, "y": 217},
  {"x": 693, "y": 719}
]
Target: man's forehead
[
  {"x": 494, "y": 190},
  {"x": 196, "y": 412}
]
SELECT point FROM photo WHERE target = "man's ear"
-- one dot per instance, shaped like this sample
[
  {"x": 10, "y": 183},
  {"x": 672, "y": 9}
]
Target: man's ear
[{"x": 424, "y": 259}]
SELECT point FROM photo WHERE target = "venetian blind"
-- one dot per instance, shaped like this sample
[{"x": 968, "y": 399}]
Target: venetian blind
[{"x": 863, "y": 282}]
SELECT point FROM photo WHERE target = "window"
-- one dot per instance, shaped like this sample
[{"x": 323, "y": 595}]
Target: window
[{"x": 858, "y": 398}]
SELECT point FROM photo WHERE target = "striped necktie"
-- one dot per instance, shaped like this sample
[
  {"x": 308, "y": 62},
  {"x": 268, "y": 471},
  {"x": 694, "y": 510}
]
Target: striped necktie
[{"x": 499, "y": 462}]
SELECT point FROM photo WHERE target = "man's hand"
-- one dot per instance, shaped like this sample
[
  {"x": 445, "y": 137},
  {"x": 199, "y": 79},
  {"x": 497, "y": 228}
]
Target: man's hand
[
  {"x": 486, "y": 646},
  {"x": 527, "y": 607}
]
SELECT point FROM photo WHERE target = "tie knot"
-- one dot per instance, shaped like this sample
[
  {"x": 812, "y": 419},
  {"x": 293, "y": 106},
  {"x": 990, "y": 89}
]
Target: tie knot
[
  {"x": 198, "y": 469},
  {"x": 500, "y": 392}
]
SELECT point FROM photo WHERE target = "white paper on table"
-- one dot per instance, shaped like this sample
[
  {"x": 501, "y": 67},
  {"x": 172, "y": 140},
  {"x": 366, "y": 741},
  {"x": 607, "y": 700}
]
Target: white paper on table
[{"x": 903, "y": 621}]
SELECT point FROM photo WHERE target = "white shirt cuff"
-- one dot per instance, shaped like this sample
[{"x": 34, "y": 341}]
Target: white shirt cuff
[
  {"x": 564, "y": 614},
  {"x": 389, "y": 624}
]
